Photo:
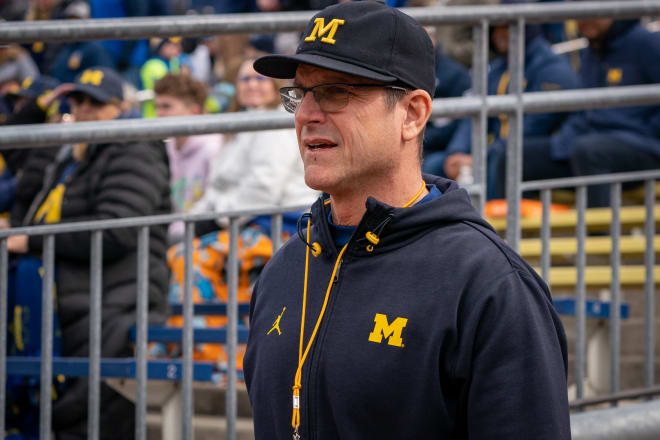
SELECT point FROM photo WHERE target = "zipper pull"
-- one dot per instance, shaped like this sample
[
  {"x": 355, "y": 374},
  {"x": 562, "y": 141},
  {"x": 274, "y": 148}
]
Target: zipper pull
[{"x": 337, "y": 273}]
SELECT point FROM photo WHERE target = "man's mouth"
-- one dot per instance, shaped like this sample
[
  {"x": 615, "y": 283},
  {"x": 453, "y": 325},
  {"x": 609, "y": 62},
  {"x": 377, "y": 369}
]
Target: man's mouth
[{"x": 320, "y": 146}]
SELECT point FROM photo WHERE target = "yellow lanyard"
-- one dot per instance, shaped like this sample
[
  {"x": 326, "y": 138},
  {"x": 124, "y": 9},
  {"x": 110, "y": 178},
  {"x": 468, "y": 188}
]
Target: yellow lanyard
[{"x": 297, "y": 383}]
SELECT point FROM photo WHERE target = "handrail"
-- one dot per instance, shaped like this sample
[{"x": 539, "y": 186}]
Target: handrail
[
  {"x": 42, "y": 135},
  {"x": 201, "y": 25},
  {"x": 151, "y": 220}
]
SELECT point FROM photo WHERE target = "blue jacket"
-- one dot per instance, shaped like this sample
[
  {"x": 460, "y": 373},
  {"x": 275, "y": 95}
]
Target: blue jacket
[
  {"x": 440, "y": 332},
  {"x": 544, "y": 71},
  {"x": 73, "y": 58},
  {"x": 628, "y": 56}
]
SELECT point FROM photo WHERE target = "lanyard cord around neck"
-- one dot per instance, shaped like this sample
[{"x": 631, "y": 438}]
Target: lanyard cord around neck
[{"x": 302, "y": 356}]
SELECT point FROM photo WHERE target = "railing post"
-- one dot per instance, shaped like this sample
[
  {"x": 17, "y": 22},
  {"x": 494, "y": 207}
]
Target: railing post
[
  {"x": 580, "y": 292},
  {"x": 276, "y": 224},
  {"x": 94, "y": 387},
  {"x": 4, "y": 293},
  {"x": 649, "y": 284},
  {"x": 515, "y": 139},
  {"x": 142, "y": 317},
  {"x": 480, "y": 121},
  {"x": 615, "y": 287},
  {"x": 232, "y": 327},
  {"x": 187, "y": 343},
  {"x": 48, "y": 292},
  {"x": 545, "y": 235}
]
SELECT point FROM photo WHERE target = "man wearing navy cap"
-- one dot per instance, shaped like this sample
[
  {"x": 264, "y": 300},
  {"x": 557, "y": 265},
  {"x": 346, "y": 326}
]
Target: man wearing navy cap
[{"x": 397, "y": 312}]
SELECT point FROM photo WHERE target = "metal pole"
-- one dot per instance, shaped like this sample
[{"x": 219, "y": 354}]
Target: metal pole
[
  {"x": 4, "y": 293},
  {"x": 48, "y": 292},
  {"x": 43, "y": 135},
  {"x": 232, "y": 327},
  {"x": 545, "y": 235},
  {"x": 480, "y": 121},
  {"x": 515, "y": 139},
  {"x": 94, "y": 388},
  {"x": 615, "y": 287},
  {"x": 142, "y": 319},
  {"x": 187, "y": 376},
  {"x": 580, "y": 292},
  {"x": 649, "y": 285},
  {"x": 276, "y": 222},
  {"x": 204, "y": 25}
]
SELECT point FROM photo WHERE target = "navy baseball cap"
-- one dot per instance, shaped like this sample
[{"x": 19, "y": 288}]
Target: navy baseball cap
[
  {"x": 101, "y": 83},
  {"x": 366, "y": 39}
]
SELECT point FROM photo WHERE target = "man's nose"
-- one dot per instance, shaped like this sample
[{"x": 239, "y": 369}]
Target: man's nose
[{"x": 309, "y": 110}]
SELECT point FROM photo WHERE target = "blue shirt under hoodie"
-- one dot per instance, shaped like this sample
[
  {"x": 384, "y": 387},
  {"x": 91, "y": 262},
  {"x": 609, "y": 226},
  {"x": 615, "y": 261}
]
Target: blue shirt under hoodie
[{"x": 440, "y": 332}]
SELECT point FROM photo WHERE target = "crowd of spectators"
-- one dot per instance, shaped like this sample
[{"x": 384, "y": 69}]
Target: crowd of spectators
[{"x": 46, "y": 82}]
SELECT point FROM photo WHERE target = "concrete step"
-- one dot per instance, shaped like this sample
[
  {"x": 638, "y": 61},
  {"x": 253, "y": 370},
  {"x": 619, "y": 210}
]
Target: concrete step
[{"x": 205, "y": 427}]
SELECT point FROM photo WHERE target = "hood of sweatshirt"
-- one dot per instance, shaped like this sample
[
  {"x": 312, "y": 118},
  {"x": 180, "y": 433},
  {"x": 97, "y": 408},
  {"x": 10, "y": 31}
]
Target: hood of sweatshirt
[{"x": 395, "y": 227}]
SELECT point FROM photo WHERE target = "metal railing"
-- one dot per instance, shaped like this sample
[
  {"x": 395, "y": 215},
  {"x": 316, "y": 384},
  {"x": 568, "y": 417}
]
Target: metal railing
[
  {"x": 581, "y": 184},
  {"x": 142, "y": 225},
  {"x": 478, "y": 106}
]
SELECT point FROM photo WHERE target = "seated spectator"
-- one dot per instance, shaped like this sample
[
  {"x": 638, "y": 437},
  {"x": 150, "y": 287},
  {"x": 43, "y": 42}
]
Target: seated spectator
[
  {"x": 602, "y": 141},
  {"x": 169, "y": 59},
  {"x": 88, "y": 182},
  {"x": 190, "y": 156},
  {"x": 544, "y": 71},
  {"x": 73, "y": 58}
]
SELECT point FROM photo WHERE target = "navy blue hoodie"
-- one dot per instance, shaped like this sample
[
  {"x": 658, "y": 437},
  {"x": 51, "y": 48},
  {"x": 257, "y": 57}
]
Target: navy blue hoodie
[{"x": 440, "y": 332}]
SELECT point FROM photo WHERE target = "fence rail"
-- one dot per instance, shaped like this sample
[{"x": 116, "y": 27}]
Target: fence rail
[
  {"x": 43, "y": 135},
  {"x": 202, "y": 25}
]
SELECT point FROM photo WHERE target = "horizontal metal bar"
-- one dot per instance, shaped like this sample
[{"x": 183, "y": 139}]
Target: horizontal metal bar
[
  {"x": 590, "y": 180},
  {"x": 131, "y": 222},
  {"x": 550, "y": 102},
  {"x": 212, "y": 335},
  {"x": 41, "y": 135},
  {"x": 169, "y": 369},
  {"x": 640, "y": 421},
  {"x": 36, "y": 135},
  {"x": 622, "y": 395},
  {"x": 201, "y": 25},
  {"x": 210, "y": 308}
]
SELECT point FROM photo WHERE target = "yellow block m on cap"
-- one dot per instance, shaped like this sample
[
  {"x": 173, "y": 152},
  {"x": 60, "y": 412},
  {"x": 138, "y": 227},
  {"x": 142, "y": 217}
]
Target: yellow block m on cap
[{"x": 320, "y": 29}]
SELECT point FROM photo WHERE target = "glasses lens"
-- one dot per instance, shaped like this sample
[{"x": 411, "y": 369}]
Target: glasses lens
[
  {"x": 331, "y": 98},
  {"x": 291, "y": 98}
]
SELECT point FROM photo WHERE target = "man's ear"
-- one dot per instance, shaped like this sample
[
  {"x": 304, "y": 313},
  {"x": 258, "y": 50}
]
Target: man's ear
[{"x": 418, "y": 111}]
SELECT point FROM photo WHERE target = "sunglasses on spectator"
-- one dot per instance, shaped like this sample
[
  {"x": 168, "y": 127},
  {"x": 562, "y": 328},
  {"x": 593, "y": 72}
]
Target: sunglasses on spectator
[
  {"x": 330, "y": 97},
  {"x": 80, "y": 98},
  {"x": 248, "y": 78}
]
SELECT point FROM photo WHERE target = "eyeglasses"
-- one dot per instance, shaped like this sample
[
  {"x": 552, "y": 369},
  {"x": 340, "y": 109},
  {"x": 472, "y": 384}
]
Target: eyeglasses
[
  {"x": 330, "y": 97},
  {"x": 80, "y": 98}
]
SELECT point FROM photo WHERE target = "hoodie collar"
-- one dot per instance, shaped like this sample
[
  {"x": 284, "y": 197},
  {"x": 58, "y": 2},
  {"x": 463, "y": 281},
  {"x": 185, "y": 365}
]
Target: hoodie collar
[{"x": 396, "y": 227}]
